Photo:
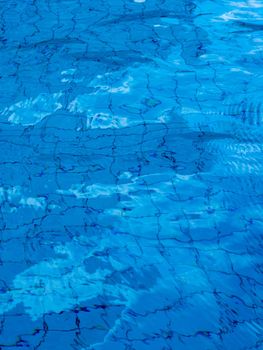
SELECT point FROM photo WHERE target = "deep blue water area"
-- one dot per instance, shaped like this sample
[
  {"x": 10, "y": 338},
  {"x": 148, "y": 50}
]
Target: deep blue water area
[{"x": 131, "y": 174}]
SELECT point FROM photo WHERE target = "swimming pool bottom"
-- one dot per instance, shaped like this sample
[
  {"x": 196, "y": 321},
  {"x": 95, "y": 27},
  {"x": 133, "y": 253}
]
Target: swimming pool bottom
[{"x": 131, "y": 164}]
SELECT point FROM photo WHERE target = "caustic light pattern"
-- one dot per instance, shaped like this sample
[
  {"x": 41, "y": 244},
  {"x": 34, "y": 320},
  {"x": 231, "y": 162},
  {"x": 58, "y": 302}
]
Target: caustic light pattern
[{"x": 131, "y": 192}]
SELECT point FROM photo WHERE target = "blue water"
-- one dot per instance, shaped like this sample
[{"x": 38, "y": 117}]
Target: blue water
[{"x": 131, "y": 168}]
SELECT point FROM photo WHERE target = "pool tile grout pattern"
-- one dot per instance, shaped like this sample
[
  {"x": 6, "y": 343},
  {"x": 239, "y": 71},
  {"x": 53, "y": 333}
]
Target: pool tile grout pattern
[{"x": 131, "y": 174}]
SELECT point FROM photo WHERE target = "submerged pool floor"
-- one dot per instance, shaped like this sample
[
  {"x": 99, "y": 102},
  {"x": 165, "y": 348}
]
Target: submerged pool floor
[{"x": 131, "y": 193}]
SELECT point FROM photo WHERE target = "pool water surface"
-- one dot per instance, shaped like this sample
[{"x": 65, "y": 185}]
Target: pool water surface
[{"x": 131, "y": 193}]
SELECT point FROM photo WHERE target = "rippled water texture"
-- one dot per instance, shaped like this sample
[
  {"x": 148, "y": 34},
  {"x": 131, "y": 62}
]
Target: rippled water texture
[{"x": 131, "y": 174}]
